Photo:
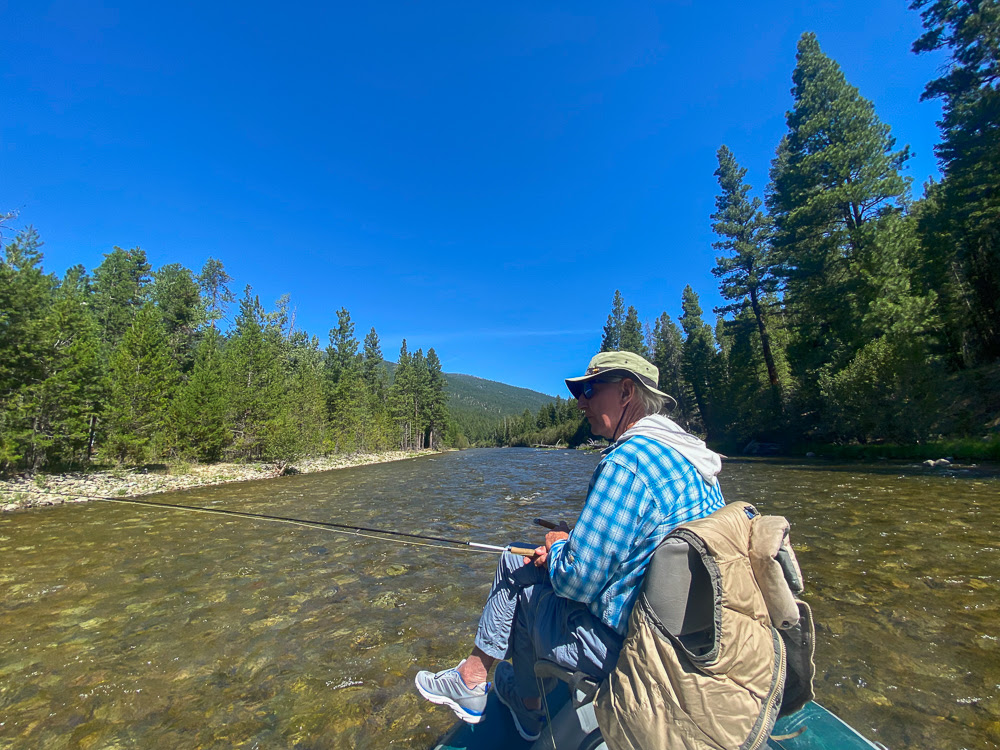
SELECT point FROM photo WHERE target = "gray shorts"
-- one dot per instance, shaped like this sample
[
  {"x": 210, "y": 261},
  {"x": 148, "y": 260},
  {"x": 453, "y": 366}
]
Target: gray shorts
[{"x": 525, "y": 620}]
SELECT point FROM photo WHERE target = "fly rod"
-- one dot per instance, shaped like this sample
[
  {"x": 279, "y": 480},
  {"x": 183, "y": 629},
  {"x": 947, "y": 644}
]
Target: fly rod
[{"x": 339, "y": 527}]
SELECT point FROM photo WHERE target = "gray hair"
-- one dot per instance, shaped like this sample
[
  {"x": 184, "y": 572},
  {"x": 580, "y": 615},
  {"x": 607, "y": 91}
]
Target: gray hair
[{"x": 652, "y": 403}]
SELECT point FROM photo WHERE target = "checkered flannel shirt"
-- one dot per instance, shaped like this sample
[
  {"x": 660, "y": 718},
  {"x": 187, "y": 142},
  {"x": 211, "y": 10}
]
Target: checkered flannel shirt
[{"x": 641, "y": 490}]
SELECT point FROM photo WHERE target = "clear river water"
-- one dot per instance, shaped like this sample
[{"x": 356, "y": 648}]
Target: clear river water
[{"x": 132, "y": 627}]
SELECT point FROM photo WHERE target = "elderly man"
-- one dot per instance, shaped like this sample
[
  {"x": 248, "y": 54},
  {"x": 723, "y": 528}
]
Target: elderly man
[{"x": 571, "y": 603}]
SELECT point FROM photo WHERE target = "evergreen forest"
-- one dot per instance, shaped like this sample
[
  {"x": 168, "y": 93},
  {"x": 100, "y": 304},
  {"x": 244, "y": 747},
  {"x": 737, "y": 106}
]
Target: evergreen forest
[
  {"x": 855, "y": 314},
  {"x": 129, "y": 365}
]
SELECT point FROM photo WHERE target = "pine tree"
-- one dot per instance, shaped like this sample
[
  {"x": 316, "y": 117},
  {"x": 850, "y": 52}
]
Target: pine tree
[
  {"x": 254, "y": 379},
  {"x": 376, "y": 378},
  {"x": 436, "y": 405},
  {"x": 699, "y": 356},
  {"x": 962, "y": 226},
  {"x": 74, "y": 384},
  {"x": 373, "y": 366},
  {"x": 176, "y": 295},
  {"x": 25, "y": 299},
  {"x": 836, "y": 176},
  {"x": 119, "y": 292},
  {"x": 401, "y": 400},
  {"x": 612, "y": 339},
  {"x": 668, "y": 356},
  {"x": 347, "y": 400},
  {"x": 303, "y": 413},
  {"x": 631, "y": 338},
  {"x": 746, "y": 276},
  {"x": 214, "y": 284},
  {"x": 341, "y": 355},
  {"x": 200, "y": 405},
  {"x": 143, "y": 379},
  {"x": 419, "y": 395}
]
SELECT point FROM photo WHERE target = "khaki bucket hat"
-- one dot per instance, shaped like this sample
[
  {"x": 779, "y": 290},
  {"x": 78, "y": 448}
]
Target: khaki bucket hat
[{"x": 624, "y": 364}]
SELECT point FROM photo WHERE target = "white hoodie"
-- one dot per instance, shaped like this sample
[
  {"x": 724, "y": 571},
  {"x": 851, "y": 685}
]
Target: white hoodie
[{"x": 666, "y": 431}]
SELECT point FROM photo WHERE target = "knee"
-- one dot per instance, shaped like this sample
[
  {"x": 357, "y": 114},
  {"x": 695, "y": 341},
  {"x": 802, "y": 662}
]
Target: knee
[{"x": 509, "y": 562}]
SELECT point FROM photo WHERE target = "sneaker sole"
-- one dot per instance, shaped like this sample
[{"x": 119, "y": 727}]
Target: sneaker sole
[
  {"x": 527, "y": 736},
  {"x": 443, "y": 700}
]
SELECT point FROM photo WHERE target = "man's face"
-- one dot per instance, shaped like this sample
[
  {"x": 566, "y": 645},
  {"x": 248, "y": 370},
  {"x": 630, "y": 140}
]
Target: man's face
[{"x": 603, "y": 409}]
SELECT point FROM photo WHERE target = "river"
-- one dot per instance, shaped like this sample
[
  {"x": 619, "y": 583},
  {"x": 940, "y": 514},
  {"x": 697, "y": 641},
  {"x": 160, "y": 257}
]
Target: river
[{"x": 130, "y": 627}]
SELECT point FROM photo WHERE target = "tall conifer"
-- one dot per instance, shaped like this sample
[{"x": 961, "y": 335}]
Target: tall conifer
[
  {"x": 200, "y": 405},
  {"x": 631, "y": 338},
  {"x": 961, "y": 223},
  {"x": 119, "y": 292},
  {"x": 612, "y": 339},
  {"x": 699, "y": 356},
  {"x": 746, "y": 275},
  {"x": 143, "y": 379},
  {"x": 835, "y": 177},
  {"x": 254, "y": 379}
]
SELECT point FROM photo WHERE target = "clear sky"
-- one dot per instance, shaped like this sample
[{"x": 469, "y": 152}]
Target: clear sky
[{"x": 475, "y": 177}]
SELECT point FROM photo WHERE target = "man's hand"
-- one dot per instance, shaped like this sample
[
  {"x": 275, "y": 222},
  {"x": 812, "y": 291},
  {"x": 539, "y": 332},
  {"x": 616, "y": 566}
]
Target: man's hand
[{"x": 541, "y": 559}]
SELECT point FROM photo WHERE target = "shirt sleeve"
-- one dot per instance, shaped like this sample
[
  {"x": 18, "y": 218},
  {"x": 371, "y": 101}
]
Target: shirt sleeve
[{"x": 580, "y": 567}]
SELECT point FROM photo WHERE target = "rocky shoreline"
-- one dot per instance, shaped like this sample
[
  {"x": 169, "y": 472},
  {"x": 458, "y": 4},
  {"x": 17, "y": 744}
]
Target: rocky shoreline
[{"x": 21, "y": 492}]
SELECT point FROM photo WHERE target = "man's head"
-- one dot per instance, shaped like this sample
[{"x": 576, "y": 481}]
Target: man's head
[{"x": 618, "y": 389}]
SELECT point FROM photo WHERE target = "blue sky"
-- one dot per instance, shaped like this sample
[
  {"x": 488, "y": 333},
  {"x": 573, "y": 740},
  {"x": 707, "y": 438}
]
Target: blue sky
[{"x": 477, "y": 178}]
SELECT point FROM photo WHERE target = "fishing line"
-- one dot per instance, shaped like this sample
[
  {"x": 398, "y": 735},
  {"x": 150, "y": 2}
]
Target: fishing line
[{"x": 352, "y": 530}]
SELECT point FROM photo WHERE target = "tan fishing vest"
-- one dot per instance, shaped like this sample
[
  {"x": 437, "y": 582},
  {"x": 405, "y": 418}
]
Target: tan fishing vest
[{"x": 703, "y": 666}]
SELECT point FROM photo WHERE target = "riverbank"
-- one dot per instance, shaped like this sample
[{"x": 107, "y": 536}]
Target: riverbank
[{"x": 21, "y": 492}]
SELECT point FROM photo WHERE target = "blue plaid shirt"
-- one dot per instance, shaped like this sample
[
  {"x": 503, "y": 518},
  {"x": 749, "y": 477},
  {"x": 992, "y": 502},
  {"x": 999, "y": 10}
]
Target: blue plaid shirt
[{"x": 640, "y": 492}]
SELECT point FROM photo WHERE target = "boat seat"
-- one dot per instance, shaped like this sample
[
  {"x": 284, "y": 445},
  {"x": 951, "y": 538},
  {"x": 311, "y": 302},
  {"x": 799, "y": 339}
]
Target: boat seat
[{"x": 679, "y": 592}]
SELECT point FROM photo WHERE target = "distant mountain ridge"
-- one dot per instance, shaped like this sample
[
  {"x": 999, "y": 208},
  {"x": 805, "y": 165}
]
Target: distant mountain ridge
[
  {"x": 490, "y": 395},
  {"x": 478, "y": 405}
]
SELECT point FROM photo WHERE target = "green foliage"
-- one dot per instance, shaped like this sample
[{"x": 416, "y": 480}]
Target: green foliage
[
  {"x": 632, "y": 339},
  {"x": 747, "y": 274},
  {"x": 435, "y": 402},
  {"x": 200, "y": 405},
  {"x": 700, "y": 361},
  {"x": 254, "y": 379},
  {"x": 213, "y": 281},
  {"x": 303, "y": 411},
  {"x": 612, "y": 339},
  {"x": 119, "y": 291},
  {"x": 835, "y": 186},
  {"x": 961, "y": 224},
  {"x": 176, "y": 295},
  {"x": 73, "y": 383},
  {"x": 143, "y": 379},
  {"x": 141, "y": 371},
  {"x": 668, "y": 357}
]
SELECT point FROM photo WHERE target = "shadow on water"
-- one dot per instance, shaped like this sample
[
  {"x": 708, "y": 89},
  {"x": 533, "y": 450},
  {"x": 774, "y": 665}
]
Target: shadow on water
[{"x": 140, "y": 627}]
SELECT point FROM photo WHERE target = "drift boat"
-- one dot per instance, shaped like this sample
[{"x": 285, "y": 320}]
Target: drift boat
[
  {"x": 685, "y": 601},
  {"x": 811, "y": 728}
]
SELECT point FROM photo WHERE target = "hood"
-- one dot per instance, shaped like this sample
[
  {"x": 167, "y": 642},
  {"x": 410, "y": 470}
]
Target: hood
[{"x": 666, "y": 431}]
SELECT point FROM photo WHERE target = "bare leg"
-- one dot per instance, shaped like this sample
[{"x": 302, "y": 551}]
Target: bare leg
[{"x": 476, "y": 668}]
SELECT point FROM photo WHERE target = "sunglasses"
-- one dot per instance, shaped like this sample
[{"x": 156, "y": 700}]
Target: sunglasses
[{"x": 587, "y": 391}]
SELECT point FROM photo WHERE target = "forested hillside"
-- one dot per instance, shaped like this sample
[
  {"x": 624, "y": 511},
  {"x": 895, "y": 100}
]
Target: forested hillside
[
  {"x": 478, "y": 405},
  {"x": 855, "y": 314}
]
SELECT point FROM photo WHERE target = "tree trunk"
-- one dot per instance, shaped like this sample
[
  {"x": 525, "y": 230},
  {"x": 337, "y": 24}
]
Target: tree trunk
[{"x": 765, "y": 339}]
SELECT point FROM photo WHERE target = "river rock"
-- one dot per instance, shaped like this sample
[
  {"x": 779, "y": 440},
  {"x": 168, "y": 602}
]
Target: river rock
[{"x": 388, "y": 600}]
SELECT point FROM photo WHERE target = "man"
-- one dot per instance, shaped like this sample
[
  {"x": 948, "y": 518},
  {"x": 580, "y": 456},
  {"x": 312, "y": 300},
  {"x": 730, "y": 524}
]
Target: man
[{"x": 572, "y": 602}]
